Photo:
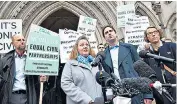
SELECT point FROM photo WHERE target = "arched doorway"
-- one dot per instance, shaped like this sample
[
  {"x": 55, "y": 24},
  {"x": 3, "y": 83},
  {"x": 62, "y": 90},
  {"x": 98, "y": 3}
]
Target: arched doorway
[{"x": 60, "y": 19}]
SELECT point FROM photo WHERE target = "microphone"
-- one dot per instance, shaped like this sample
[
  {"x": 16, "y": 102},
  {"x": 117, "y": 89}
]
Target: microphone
[
  {"x": 127, "y": 87},
  {"x": 159, "y": 85},
  {"x": 146, "y": 54},
  {"x": 110, "y": 83},
  {"x": 115, "y": 77},
  {"x": 140, "y": 83},
  {"x": 144, "y": 70},
  {"x": 99, "y": 58},
  {"x": 106, "y": 78}
]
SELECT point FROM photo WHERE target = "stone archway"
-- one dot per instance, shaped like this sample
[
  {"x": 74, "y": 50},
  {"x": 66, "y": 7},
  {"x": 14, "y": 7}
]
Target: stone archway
[
  {"x": 171, "y": 27},
  {"x": 37, "y": 11},
  {"x": 142, "y": 10},
  {"x": 61, "y": 19}
]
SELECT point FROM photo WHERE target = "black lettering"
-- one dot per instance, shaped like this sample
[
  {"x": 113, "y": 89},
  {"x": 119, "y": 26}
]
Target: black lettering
[
  {"x": 81, "y": 28},
  {"x": 6, "y": 46},
  {"x": 13, "y": 25}
]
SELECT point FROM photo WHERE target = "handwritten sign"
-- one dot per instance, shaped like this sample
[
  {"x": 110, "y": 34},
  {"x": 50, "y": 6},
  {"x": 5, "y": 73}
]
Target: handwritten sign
[{"x": 68, "y": 39}]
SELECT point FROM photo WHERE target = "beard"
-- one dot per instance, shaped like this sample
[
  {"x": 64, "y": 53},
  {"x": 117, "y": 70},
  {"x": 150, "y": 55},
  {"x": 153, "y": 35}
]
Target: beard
[{"x": 22, "y": 48}]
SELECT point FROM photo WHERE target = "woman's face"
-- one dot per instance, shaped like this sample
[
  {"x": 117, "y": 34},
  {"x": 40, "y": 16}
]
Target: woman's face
[{"x": 83, "y": 47}]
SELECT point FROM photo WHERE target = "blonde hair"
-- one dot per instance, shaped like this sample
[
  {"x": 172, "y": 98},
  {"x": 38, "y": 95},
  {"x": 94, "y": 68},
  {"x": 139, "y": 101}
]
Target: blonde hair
[{"x": 74, "y": 52}]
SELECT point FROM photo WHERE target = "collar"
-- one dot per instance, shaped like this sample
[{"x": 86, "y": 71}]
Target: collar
[
  {"x": 76, "y": 63},
  {"x": 114, "y": 47},
  {"x": 23, "y": 55},
  {"x": 151, "y": 48}
]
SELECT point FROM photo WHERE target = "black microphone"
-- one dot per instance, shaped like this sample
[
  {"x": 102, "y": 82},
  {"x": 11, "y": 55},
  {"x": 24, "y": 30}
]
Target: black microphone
[
  {"x": 144, "y": 70},
  {"x": 114, "y": 77},
  {"x": 110, "y": 83},
  {"x": 106, "y": 78},
  {"x": 99, "y": 58},
  {"x": 146, "y": 54},
  {"x": 128, "y": 87},
  {"x": 140, "y": 83}
]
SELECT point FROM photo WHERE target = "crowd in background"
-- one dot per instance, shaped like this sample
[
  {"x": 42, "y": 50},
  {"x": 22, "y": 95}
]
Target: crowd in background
[{"x": 76, "y": 83}]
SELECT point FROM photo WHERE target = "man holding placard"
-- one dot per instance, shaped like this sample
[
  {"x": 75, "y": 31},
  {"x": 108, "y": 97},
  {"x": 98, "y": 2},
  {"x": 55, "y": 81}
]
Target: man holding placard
[{"x": 18, "y": 88}]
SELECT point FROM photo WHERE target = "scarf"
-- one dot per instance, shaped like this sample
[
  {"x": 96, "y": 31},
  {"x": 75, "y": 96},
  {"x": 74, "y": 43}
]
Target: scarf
[{"x": 85, "y": 60}]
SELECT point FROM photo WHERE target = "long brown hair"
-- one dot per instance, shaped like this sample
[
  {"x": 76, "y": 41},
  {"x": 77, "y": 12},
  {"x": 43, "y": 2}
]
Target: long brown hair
[{"x": 74, "y": 52}]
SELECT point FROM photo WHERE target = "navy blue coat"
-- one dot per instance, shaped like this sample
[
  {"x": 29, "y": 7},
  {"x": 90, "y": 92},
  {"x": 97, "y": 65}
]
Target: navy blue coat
[
  {"x": 126, "y": 57},
  {"x": 168, "y": 49}
]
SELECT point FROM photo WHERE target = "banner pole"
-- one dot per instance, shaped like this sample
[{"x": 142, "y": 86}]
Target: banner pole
[{"x": 41, "y": 92}]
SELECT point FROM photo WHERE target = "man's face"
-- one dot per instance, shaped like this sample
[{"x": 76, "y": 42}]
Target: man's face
[
  {"x": 110, "y": 35},
  {"x": 18, "y": 41},
  {"x": 101, "y": 48},
  {"x": 153, "y": 35}
]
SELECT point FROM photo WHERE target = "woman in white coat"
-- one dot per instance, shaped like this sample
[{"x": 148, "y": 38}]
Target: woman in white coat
[{"x": 78, "y": 77}]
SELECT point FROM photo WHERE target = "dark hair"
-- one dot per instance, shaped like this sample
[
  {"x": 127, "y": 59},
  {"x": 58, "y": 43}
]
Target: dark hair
[
  {"x": 99, "y": 45},
  {"x": 106, "y": 27},
  {"x": 145, "y": 33}
]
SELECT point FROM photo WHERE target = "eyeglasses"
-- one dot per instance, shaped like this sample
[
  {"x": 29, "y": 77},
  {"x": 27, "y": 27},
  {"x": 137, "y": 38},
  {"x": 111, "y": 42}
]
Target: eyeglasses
[
  {"x": 154, "y": 32},
  {"x": 108, "y": 31},
  {"x": 101, "y": 47}
]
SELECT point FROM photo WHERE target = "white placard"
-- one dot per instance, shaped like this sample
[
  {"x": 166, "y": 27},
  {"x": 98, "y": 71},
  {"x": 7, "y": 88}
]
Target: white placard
[
  {"x": 134, "y": 29},
  {"x": 122, "y": 12},
  {"x": 87, "y": 26},
  {"x": 8, "y": 28},
  {"x": 68, "y": 39}
]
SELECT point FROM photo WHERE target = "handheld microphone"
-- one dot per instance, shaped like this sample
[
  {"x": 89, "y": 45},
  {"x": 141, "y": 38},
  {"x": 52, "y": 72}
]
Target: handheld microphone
[
  {"x": 146, "y": 54},
  {"x": 99, "y": 58},
  {"x": 159, "y": 85}
]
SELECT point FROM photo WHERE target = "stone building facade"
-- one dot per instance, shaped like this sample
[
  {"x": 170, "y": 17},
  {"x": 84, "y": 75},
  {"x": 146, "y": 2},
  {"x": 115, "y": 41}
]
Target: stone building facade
[{"x": 65, "y": 14}]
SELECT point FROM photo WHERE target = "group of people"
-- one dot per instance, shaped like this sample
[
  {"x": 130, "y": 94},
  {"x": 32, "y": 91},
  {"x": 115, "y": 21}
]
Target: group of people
[{"x": 78, "y": 77}]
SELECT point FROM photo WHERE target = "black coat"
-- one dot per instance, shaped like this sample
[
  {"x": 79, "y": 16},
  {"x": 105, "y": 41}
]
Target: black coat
[
  {"x": 7, "y": 69},
  {"x": 168, "y": 50}
]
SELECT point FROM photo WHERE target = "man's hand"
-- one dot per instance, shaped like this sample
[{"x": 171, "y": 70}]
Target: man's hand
[
  {"x": 147, "y": 101},
  {"x": 147, "y": 46}
]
